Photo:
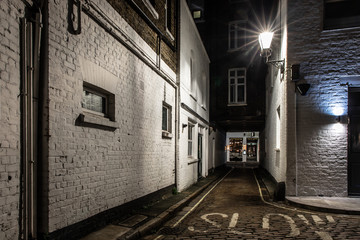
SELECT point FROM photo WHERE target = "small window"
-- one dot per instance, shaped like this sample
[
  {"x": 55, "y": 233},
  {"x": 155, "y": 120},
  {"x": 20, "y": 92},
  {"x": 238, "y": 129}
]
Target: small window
[
  {"x": 197, "y": 14},
  {"x": 237, "y": 35},
  {"x": 98, "y": 101},
  {"x": 166, "y": 118},
  {"x": 341, "y": 14},
  {"x": 237, "y": 86},
  {"x": 190, "y": 139}
]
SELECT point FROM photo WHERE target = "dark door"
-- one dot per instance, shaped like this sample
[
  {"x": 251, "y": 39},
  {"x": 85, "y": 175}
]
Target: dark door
[
  {"x": 199, "y": 156},
  {"x": 354, "y": 141}
]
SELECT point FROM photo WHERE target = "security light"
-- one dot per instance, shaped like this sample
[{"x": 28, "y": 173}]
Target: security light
[{"x": 265, "y": 40}]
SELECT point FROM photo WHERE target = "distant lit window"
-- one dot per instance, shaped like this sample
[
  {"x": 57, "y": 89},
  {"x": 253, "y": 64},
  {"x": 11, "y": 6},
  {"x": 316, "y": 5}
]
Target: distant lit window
[
  {"x": 197, "y": 14},
  {"x": 237, "y": 85},
  {"x": 341, "y": 14},
  {"x": 237, "y": 35},
  {"x": 98, "y": 101},
  {"x": 166, "y": 117},
  {"x": 190, "y": 139}
]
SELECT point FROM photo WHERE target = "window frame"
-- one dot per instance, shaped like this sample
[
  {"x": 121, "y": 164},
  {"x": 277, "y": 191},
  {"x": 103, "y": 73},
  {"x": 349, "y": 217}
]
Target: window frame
[
  {"x": 169, "y": 19},
  {"x": 151, "y": 8},
  {"x": 236, "y": 85},
  {"x": 191, "y": 133},
  {"x": 340, "y": 22},
  {"x": 168, "y": 117},
  {"x": 236, "y": 37},
  {"x": 109, "y": 98}
]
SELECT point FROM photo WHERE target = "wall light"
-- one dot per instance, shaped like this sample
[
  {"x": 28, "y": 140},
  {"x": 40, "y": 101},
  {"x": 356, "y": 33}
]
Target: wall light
[{"x": 265, "y": 40}]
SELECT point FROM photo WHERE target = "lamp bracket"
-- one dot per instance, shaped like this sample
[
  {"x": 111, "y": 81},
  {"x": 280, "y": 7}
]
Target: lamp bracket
[{"x": 280, "y": 64}]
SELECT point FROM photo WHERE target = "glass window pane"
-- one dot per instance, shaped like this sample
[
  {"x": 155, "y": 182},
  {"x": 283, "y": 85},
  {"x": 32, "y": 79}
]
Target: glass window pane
[
  {"x": 232, "y": 73},
  {"x": 241, "y": 94},
  {"x": 240, "y": 73},
  {"x": 240, "y": 80},
  {"x": 232, "y": 81},
  {"x": 165, "y": 119},
  {"x": 93, "y": 102},
  {"x": 232, "y": 93}
]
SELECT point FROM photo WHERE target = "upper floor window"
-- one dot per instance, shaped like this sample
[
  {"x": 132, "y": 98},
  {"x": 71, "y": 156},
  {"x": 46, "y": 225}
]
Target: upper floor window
[
  {"x": 169, "y": 21},
  {"x": 341, "y": 14},
  {"x": 237, "y": 86},
  {"x": 237, "y": 35},
  {"x": 150, "y": 4}
]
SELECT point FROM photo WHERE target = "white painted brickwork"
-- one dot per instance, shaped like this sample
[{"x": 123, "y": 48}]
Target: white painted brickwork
[
  {"x": 325, "y": 57},
  {"x": 93, "y": 170},
  {"x": 195, "y": 95},
  {"x": 10, "y": 13}
]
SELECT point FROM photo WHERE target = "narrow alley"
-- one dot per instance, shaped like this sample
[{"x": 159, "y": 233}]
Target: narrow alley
[{"x": 234, "y": 209}]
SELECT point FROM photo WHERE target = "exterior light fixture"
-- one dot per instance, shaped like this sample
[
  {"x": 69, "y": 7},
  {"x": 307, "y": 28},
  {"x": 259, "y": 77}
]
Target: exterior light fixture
[{"x": 265, "y": 40}]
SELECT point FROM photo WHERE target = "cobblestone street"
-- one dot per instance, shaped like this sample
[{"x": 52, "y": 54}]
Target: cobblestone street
[{"x": 234, "y": 209}]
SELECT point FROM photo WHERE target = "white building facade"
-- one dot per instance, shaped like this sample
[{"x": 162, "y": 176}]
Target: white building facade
[
  {"x": 312, "y": 137},
  {"x": 194, "y": 160}
]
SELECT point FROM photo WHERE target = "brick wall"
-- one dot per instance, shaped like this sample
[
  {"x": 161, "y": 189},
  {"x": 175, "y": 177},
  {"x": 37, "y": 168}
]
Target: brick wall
[
  {"x": 10, "y": 13},
  {"x": 138, "y": 23},
  {"x": 325, "y": 57},
  {"x": 93, "y": 170}
]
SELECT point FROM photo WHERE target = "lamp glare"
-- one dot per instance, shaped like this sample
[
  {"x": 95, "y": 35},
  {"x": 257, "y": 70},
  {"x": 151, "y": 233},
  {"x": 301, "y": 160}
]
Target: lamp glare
[{"x": 265, "y": 39}]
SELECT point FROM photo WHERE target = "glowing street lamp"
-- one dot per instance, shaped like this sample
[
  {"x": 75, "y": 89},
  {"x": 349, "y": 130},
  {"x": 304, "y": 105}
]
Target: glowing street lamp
[{"x": 265, "y": 40}]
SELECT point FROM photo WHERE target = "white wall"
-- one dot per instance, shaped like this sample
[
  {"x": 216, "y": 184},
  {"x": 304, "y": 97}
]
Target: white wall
[
  {"x": 10, "y": 13},
  {"x": 194, "y": 96},
  {"x": 93, "y": 170}
]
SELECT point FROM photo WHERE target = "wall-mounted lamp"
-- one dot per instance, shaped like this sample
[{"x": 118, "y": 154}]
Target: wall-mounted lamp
[
  {"x": 302, "y": 88},
  {"x": 184, "y": 125},
  {"x": 265, "y": 39}
]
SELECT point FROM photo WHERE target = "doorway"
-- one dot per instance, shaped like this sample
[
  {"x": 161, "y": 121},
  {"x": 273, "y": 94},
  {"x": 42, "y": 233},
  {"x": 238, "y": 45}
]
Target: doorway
[
  {"x": 200, "y": 154},
  {"x": 354, "y": 141}
]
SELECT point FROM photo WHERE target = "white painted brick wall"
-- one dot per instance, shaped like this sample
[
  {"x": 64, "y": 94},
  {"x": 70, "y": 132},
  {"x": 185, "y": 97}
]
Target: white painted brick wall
[
  {"x": 195, "y": 97},
  {"x": 93, "y": 170},
  {"x": 10, "y": 14},
  {"x": 325, "y": 56}
]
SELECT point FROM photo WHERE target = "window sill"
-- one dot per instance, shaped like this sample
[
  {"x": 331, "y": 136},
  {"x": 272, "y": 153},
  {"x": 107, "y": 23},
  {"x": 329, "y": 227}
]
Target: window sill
[
  {"x": 193, "y": 97},
  {"x": 194, "y": 161},
  {"x": 166, "y": 135},
  {"x": 170, "y": 35},
  {"x": 237, "y": 104},
  {"x": 95, "y": 121}
]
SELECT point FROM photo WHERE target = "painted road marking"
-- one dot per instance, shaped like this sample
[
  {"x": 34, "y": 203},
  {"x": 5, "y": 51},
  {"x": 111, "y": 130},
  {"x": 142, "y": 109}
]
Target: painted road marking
[{"x": 294, "y": 230}]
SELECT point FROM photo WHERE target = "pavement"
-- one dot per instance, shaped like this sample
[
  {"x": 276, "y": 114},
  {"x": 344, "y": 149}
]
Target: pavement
[{"x": 149, "y": 218}]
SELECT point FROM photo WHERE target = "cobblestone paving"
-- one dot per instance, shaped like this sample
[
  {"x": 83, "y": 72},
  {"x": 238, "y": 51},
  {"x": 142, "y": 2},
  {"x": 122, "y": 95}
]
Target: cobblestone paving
[{"x": 234, "y": 210}]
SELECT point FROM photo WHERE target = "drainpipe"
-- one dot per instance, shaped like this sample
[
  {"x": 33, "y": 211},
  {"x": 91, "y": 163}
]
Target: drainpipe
[{"x": 30, "y": 47}]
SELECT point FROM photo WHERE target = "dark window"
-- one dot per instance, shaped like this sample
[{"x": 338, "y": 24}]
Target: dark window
[
  {"x": 168, "y": 14},
  {"x": 341, "y": 14},
  {"x": 237, "y": 35}
]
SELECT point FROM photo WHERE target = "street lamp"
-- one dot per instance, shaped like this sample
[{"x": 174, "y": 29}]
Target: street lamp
[{"x": 265, "y": 39}]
